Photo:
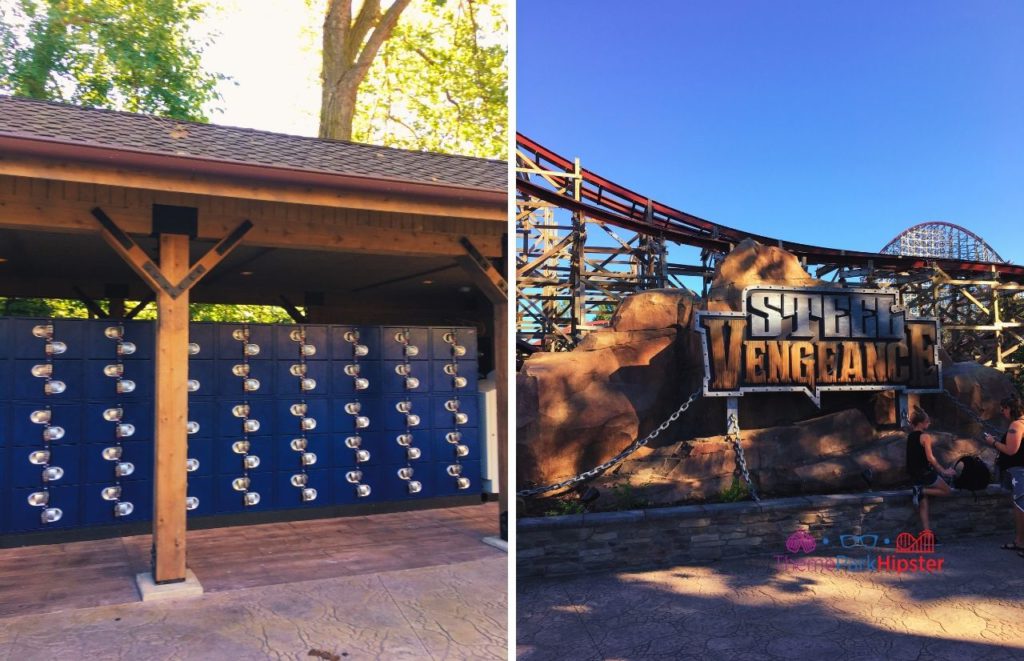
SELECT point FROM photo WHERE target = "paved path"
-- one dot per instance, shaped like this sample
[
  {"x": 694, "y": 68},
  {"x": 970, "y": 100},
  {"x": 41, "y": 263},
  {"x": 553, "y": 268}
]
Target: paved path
[
  {"x": 750, "y": 609},
  {"x": 455, "y": 611}
]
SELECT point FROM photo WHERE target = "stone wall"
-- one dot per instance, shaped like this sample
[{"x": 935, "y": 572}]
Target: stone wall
[{"x": 660, "y": 537}]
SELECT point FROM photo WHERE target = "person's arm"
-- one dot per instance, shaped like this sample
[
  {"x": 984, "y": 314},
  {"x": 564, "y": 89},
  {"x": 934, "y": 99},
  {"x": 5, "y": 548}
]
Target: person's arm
[
  {"x": 1013, "y": 439},
  {"x": 926, "y": 441}
]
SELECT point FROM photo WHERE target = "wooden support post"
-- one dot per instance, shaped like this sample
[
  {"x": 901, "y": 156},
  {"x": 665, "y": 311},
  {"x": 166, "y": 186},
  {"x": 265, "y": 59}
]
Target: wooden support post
[
  {"x": 495, "y": 288},
  {"x": 171, "y": 281},
  {"x": 170, "y": 479}
]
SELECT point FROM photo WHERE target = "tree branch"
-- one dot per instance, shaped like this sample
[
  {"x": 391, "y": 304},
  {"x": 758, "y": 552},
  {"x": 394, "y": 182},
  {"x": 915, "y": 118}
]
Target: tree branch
[
  {"x": 380, "y": 34},
  {"x": 369, "y": 15}
]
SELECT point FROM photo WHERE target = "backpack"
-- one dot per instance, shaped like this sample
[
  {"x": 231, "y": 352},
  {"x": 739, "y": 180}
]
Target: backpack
[{"x": 975, "y": 475}]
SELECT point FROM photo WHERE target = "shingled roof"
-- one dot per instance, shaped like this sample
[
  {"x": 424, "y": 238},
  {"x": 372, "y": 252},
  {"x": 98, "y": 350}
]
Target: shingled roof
[{"x": 56, "y": 122}]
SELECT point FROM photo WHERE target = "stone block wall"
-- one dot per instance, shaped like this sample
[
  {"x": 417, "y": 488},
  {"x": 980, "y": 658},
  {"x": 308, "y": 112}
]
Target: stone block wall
[{"x": 661, "y": 537}]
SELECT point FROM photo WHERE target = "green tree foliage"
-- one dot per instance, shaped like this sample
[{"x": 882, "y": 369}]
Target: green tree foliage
[
  {"x": 440, "y": 81},
  {"x": 134, "y": 55},
  {"x": 65, "y": 308}
]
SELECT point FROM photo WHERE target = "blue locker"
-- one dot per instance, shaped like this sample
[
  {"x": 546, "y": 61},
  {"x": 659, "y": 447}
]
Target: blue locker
[
  {"x": 202, "y": 450},
  {"x": 201, "y": 487},
  {"x": 288, "y": 349},
  {"x": 286, "y": 384},
  {"x": 140, "y": 333},
  {"x": 226, "y": 499},
  {"x": 390, "y": 452},
  {"x": 5, "y": 431},
  {"x": 395, "y": 350},
  {"x": 445, "y": 485},
  {"x": 445, "y": 419},
  {"x": 229, "y": 385},
  {"x": 287, "y": 423},
  {"x": 5, "y": 338},
  {"x": 28, "y": 387},
  {"x": 24, "y": 517},
  {"x": 286, "y": 459},
  {"x": 204, "y": 372},
  {"x": 344, "y": 493},
  {"x": 393, "y": 382},
  {"x": 442, "y": 350},
  {"x": 228, "y": 463},
  {"x": 27, "y": 474},
  {"x": 342, "y": 422},
  {"x": 228, "y": 348},
  {"x": 290, "y": 497},
  {"x": 341, "y": 348},
  {"x": 341, "y": 456},
  {"x": 392, "y": 419},
  {"x": 24, "y": 432},
  {"x": 99, "y": 386},
  {"x": 204, "y": 413},
  {"x": 344, "y": 384},
  {"x": 444, "y": 452},
  {"x": 395, "y": 488},
  {"x": 68, "y": 331},
  {"x": 98, "y": 470},
  {"x": 203, "y": 334},
  {"x": 443, "y": 382},
  {"x": 96, "y": 429},
  {"x": 97, "y": 511},
  {"x": 230, "y": 426}
]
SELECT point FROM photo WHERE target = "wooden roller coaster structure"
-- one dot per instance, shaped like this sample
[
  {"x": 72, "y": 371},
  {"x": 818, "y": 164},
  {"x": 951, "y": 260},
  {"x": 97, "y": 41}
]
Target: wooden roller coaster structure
[{"x": 584, "y": 243}]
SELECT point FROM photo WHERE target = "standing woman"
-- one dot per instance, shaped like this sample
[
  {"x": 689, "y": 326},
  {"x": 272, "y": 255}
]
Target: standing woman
[
  {"x": 1011, "y": 466},
  {"x": 922, "y": 466}
]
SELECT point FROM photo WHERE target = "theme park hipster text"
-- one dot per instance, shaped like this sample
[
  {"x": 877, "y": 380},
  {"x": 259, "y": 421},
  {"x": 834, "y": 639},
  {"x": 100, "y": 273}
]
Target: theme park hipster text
[{"x": 818, "y": 339}]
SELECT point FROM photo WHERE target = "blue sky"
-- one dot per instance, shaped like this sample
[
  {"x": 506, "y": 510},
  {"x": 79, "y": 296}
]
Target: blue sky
[{"x": 832, "y": 123}]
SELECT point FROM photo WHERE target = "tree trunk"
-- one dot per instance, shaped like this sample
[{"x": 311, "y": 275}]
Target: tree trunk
[{"x": 347, "y": 59}]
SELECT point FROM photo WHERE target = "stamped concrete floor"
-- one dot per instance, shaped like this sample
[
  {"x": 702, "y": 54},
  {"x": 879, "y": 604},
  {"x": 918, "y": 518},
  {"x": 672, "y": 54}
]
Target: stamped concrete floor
[
  {"x": 749, "y": 609},
  {"x": 417, "y": 585}
]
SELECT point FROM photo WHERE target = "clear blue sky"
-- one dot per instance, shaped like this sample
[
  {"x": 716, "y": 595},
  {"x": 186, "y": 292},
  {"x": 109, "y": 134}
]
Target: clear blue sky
[{"x": 826, "y": 122}]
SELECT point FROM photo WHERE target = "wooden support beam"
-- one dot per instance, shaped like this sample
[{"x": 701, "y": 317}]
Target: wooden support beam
[
  {"x": 495, "y": 288},
  {"x": 170, "y": 479},
  {"x": 293, "y": 311},
  {"x": 91, "y": 305},
  {"x": 140, "y": 306},
  {"x": 171, "y": 282}
]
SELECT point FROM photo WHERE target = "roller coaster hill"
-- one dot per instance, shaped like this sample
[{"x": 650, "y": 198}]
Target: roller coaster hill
[{"x": 584, "y": 243}]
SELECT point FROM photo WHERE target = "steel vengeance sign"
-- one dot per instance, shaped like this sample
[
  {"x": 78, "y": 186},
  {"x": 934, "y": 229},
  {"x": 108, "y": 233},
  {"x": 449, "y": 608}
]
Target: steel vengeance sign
[{"x": 811, "y": 339}]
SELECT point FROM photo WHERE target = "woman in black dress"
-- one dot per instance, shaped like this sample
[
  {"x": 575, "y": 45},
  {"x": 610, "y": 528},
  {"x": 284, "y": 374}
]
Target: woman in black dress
[
  {"x": 922, "y": 467},
  {"x": 1011, "y": 467}
]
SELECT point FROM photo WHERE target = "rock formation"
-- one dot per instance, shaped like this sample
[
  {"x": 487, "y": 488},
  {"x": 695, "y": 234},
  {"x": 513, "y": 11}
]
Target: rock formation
[{"x": 580, "y": 408}]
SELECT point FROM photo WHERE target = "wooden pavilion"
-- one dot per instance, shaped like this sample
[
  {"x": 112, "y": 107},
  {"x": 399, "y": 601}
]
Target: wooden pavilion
[{"x": 109, "y": 206}]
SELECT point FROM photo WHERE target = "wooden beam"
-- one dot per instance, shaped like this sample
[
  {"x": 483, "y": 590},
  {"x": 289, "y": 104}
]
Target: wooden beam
[
  {"x": 91, "y": 305},
  {"x": 170, "y": 479},
  {"x": 91, "y": 173},
  {"x": 494, "y": 286},
  {"x": 214, "y": 256},
  {"x": 131, "y": 253},
  {"x": 501, "y": 360},
  {"x": 140, "y": 306},
  {"x": 352, "y": 235},
  {"x": 491, "y": 282}
]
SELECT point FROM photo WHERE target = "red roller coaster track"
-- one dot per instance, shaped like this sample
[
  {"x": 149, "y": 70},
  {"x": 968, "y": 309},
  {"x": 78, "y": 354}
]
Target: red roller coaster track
[{"x": 611, "y": 203}]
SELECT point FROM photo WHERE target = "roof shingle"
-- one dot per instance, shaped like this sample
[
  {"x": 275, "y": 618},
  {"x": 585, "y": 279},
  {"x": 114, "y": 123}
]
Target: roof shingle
[{"x": 29, "y": 118}]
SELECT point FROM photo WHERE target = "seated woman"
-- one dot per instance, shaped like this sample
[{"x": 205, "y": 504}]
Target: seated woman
[
  {"x": 1011, "y": 467},
  {"x": 922, "y": 467}
]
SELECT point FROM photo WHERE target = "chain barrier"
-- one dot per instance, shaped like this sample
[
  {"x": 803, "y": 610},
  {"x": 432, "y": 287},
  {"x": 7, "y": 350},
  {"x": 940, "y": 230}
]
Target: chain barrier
[
  {"x": 633, "y": 447},
  {"x": 733, "y": 434},
  {"x": 972, "y": 414}
]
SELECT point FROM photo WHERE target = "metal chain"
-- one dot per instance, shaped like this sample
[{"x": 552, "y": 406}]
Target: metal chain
[
  {"x": 633, "y": 447},
  {"x": 972, "y": 413},
  {"x": 733, "y": 434}
]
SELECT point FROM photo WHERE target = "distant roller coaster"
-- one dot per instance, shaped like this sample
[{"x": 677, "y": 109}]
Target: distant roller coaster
[
  {"x": 585, "y": 242},
  {"x": 944, "y": 241}
]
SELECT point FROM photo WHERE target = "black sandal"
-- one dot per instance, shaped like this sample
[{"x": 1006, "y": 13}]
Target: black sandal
[{"x": 1012, "y": 546}]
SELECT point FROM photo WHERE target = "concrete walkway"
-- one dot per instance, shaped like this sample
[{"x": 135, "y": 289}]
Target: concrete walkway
[
  {"x": 455, "y": 611},
  {"x": 753, "y": 609}
]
